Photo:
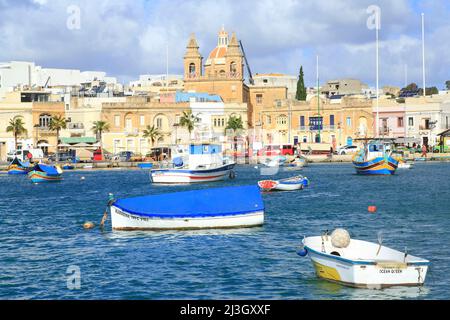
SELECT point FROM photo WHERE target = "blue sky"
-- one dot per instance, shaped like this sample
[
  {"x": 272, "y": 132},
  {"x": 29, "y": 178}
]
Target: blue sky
[{"x": 127, "y": 38}]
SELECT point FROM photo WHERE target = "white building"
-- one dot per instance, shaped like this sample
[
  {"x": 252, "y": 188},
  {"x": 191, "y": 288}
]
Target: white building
[
  {"x": 27, "y": 74},
  {"x": 277, "y": 80}
]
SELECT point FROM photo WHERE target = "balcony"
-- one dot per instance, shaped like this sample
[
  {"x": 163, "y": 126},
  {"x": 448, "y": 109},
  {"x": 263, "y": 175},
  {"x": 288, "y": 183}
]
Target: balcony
[
  {"x": 131, "y": 132},
  {"x": 421, "y": 127}
]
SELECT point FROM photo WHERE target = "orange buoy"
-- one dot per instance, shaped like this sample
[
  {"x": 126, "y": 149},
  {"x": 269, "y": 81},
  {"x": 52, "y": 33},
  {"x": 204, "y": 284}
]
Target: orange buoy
[
  {"x": 372, "y": 209},
  {"x": 88, "y": 225}
]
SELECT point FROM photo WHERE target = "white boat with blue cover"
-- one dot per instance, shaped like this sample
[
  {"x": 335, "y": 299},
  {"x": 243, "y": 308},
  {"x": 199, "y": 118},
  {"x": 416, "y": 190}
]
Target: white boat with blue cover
[
  {"x": 362, "y": 264},
  {"x": 231, "y": 207},
  {"x": 202, "y": 163}
]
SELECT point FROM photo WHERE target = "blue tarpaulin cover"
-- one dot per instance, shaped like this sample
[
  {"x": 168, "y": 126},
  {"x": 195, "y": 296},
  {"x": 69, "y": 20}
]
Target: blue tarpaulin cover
[
  {"x": 49, "y": 170},
  {"x": 195, "y": 204}
]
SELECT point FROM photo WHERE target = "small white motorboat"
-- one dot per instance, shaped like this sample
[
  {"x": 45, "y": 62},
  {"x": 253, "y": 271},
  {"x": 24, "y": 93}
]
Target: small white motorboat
[
  {"x": 230, "y": 207},
  {"x": 405, "y": 165},
  {"x": 289, "y": 184},
  {"x": 362, "y": 264},
  {"x": 297, "y": 164}
]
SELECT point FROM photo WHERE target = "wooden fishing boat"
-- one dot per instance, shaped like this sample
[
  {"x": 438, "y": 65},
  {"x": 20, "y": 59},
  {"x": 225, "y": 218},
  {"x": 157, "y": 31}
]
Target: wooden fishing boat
[
  {"x": 362, "y": 264},
  {"x": 375, "y": 158},
  {"x": 45, "y": 173},
  {"x": 231, "y": 207},
  {"x": 17, "y": 167},
  {"x": 289, "y": 184}
]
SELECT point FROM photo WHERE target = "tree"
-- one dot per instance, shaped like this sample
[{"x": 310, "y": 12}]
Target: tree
[
  {"x": 301, "y": 90},
  {"x": 188, "y": 120},
  {"x": 152, "y": 133},
  {"x": 17, "y": 127},
  {"x": 57, "y": 123},
  {"x": 411, "y": 87},
  {"x": 429, "y": 91},
  {"x": 234, "y": 124},
  {"x": 447, "y": 84},
  {"x": 99, "y": 127}
]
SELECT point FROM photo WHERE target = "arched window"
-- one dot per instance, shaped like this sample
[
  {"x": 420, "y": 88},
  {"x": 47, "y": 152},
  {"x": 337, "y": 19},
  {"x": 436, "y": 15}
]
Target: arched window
[
  {"x": 222, "y": 73},
  {"x": 192, "y": 69},
  {"x": 44, "y": 120},
  {"x": 233, "y": 68}
]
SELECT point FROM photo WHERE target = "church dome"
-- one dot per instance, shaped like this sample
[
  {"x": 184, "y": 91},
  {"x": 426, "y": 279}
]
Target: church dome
[{"x": 218, "y": 54}]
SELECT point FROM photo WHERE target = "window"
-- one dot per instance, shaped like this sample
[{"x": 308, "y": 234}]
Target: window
[
  {"x": 446, "y": 122},
  {"x": 400, "y": 122},
  {"x": 130, "y": 145},
  {"x": 265, "y": 80},
  {"x": 223, "y": 122},
  {"x": 117, "y": 143},
  {"x": 411, "y": 122},
  {"x": 117, "y": 120},
  {"x": 305, "y": 139},
  {"x": 142, "y": 120},
  {"x": 215, "y": 122},
  {"x": 332, "y": 120},
  {"x": 278, "y": 103},
  {"x": 128, "y": 123},
  {"x": 177, "y": 119},
  {"x": 192, "y": 69},
  {"x": 349, "y": 122},
  {"x": 269, "y": 120},
  {"x": 302, "y": 121},
  {"x": 44, "y": 120},
  {"x": 159, "y": 123},
  {"x": 259, "y": 99},
  {"x": 282, "y": 120},
  {"x": 427, "y": 124},
  {"x": 316, "y": 123},
  {"x": 233, "y": 68}
]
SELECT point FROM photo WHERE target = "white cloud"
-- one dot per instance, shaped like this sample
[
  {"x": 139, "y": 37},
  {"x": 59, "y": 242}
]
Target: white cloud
[{"x": 129, "y": 38}]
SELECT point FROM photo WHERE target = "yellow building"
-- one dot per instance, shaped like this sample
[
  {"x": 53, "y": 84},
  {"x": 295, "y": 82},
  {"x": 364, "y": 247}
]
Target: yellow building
[{"x": 291, "y": 121}]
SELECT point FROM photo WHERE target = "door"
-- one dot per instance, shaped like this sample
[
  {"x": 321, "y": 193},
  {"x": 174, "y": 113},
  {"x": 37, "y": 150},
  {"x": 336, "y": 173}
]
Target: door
[{"x": 425, "y": 141}]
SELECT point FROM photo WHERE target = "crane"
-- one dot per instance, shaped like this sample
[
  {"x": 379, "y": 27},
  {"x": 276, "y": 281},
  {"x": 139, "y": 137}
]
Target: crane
[{"x": 250, "y": 76}]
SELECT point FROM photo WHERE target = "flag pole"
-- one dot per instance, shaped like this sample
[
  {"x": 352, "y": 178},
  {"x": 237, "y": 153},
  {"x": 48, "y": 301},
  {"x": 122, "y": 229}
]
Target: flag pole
[
  {"x": 318, "y": 96},
  {"x": 423, "y": 54},
  {"x": 377, "y": 66}
]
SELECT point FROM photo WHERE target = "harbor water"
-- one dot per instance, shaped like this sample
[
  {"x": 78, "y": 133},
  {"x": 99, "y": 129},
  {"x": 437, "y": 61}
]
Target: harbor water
[{"x": 43, "y": 243}]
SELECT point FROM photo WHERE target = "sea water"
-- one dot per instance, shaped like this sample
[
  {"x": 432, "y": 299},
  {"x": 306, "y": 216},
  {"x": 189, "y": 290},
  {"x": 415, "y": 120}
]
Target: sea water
[{"x": 46, "y": 254}]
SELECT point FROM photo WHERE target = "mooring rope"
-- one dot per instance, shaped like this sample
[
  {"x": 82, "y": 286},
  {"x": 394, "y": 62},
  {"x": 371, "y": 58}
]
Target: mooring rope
[{"x": 111, "y": 201}]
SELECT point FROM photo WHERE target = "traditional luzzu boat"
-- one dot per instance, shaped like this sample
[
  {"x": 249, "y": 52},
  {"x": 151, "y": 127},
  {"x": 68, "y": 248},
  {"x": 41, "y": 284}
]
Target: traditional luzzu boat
[
  {"x": 45, "y": 173},
  {"x": 231, "y": 207},
  {"x": 361, "y": 264},
  {"x": 17, "y": 167},
  {"x": 289, "y": 184},
  {"x": 375, "y": 158},
  {"x": 203, "y": 163}
]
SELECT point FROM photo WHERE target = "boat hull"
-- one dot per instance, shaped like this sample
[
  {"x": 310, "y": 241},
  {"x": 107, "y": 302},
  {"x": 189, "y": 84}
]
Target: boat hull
[
  {"x": 377, "y": 166},
  {"x": 124, "y": 221},
  {"x": 372, "y": 276},
  {"x": 37, "y": 176},
  {"x": 16, "y": 170},
  {"x": 182, "y": 176}
]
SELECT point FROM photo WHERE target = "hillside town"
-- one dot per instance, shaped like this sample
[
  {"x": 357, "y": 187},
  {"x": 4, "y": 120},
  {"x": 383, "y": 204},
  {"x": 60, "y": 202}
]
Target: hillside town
[{"x": 217, "y": 99}]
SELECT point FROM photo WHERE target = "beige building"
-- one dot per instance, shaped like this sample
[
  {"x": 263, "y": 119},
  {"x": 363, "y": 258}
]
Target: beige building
[{"x": 343, "y": 87}]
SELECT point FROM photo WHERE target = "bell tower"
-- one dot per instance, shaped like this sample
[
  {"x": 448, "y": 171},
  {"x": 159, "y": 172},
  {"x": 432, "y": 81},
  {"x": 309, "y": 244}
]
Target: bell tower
[
  {"x": 192, "y": 60},
  {"x": 234, "y": 59}
]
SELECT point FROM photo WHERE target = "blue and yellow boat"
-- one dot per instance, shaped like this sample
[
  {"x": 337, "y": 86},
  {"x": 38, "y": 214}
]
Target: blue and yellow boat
[
  {"x": 17, "y": 167},
  {"x": 45, "y": 173},
  {"x": 375, "y": 158}
]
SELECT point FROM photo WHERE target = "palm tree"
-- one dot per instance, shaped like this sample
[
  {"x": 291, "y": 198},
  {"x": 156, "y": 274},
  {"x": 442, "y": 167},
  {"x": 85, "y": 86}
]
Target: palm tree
[
  {"x": 189, "y": 120},
  {"x": 17, "y": 127},
  {"x": 99, "y": 127},
  {"x": 57, "y": 123},
  {"x": 235, "y": 124},
  {"x": 152, "y": 133}
]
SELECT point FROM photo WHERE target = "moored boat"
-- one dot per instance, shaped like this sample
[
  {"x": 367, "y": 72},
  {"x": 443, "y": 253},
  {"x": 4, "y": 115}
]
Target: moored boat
[
  {"x": 362, "y": 264},
  {"x": 375, "y": 158},
  {"x": 17, "y": 167},
  {"x": 203, "y": 163},
  {"x": 289, "y": 184},
  {"x": 45, "y": 173},
  {"x": 231, "y": 207}
]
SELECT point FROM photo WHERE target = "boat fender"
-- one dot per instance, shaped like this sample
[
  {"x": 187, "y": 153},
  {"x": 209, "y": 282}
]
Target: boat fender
[
  {"x": 88, "y": 225},
  {"x": 232, "y": 174},
  {"x": 340, "y": 238},
  {"x": 303, "y": 252},
  {"x": 305, "y": 181}
]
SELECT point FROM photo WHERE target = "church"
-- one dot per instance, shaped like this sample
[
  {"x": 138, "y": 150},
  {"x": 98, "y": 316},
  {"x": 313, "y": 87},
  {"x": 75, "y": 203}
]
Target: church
[{"x": 223, "y": 74}]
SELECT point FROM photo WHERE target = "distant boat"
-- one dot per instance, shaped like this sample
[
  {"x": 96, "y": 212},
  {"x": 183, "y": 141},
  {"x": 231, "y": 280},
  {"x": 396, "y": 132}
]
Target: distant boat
[
  {"x": 289, "y": 184},
  {"x": 297, "y": 164},
  {"x": 45, "y": 173},
  {"x": 68, "y": 167},
  {"x": 231, "y": 207},
  {"x": 17, "y": 167},
  {"x": 202, "y": 163},
  {"x": 405, "y": 165},
  {"x": 375, "y": 158},
  {"x": 145, "y": 165},
  {"x": 363, "y": 264}
]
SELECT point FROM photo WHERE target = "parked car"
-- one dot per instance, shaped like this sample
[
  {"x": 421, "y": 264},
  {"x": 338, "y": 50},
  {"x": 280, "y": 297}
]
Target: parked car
[
  {"x": 161, "y": 153},
  {"x": 347, "y": 150},
  {"x": 24, "y": 155},
  {"x": 123, "y": 156},
  {"x": 63, "y": 156}
]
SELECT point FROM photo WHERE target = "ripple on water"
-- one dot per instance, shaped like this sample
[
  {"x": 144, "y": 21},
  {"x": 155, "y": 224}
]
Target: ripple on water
[{"x": 42, "y": 236}]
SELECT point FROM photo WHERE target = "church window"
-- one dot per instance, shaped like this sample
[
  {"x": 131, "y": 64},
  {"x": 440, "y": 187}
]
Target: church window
[
  {"x": 259, "y": 98},
  {"x": 192, "y": 69},
  {"x": 233, "y": 68}
]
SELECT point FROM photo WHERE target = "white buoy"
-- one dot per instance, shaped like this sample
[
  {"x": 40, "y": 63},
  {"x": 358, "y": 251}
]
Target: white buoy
[
  {"x": 83, "y": 178},
  {"x": 256, "y": 167}
]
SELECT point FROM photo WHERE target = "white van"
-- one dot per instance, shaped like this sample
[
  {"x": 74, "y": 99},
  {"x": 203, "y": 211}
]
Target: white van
[{"x": 22, "y": 155}]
